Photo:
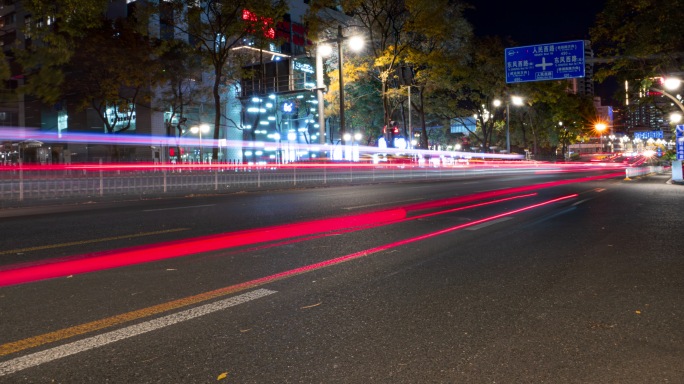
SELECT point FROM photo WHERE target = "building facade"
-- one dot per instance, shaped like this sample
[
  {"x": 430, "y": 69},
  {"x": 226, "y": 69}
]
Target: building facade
[{"x": 280, "y": 107}]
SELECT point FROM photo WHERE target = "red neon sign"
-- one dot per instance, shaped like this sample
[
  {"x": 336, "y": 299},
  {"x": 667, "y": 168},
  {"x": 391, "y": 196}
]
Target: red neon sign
[{"x": 255, "y": 20}]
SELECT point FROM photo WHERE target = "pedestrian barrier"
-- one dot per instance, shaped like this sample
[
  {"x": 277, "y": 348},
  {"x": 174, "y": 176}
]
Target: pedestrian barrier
[
  {"x": 34, "y": 182},
  {"x": 640, "y": 171}
]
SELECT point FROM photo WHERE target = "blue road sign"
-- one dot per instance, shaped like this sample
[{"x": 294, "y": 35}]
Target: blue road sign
[
  {"x": 645, "y": 135},
  {"x": 554, "y": 61},
  {"x": 679, "y": 136}
]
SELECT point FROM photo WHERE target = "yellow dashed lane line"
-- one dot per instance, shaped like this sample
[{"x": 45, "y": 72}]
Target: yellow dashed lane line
[
  {"x": 61, "y": 245},
  {"x": 51, "y": 337}
]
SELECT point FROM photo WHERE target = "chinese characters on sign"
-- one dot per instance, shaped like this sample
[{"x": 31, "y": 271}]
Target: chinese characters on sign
[{"x": 553, "y": 61}]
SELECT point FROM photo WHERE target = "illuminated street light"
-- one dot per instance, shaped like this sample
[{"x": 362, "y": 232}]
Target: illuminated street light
[
  {"x": 202, "y": 128},
  {"x": 324, "y": 49},
  {"x": 517, "y": 101},
  {"x": 672, "y": 83},
  {"x": 612, "y": 140},
  {"x": 600, "y": 127}
]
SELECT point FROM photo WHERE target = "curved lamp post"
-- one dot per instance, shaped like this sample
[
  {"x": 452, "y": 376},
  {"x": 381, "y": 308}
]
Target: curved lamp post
[{"x": 672, "y": 84}]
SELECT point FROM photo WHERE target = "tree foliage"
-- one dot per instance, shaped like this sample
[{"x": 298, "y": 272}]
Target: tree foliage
[
  {"x": 216, "y": 28},
  {"x": 640, "y": 38},
  {"x": 363, "y": 108},
  {"x": 438, "y": 37},
  {"x": 384, "y": 24},
  {"x": 112, "y": 71},
  {"x": 552, "y": 116},
  {"x": 471, "y": 88},
  {"x": 56, "y": 26}
]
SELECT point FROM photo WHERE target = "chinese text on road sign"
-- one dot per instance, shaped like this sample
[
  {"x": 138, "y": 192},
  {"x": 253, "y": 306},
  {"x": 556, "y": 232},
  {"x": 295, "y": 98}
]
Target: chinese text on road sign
[{"x": 552, "y": 61}]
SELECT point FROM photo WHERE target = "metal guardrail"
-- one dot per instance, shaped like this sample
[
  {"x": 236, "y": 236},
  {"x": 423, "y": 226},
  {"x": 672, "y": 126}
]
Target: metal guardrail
[{"x": 23, "y": 183}]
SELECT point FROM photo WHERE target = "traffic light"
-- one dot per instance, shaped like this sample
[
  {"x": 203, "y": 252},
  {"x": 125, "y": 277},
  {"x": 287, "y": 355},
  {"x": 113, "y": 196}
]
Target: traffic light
[
  {"x": 390, "y": 133},
  {"x": 394, "y": 133}
]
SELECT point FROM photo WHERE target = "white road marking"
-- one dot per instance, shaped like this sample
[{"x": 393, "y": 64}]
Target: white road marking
[
  {"x": 581, "y": 201},
  {"x": 172, "y": 208},
  {"x": 487, "y": 224},
  {"x": 42, "y": 357},
  {"x": 383, "y": 203}
]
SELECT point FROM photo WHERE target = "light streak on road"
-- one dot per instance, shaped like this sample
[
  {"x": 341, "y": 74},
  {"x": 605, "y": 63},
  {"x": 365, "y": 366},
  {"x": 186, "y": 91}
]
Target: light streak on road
[
  {"x": 20, "y": 274},
  {"x": 78, "y": 264},
  {"x": 22, "y": 134},
  {"x": 89, "y": 241},
  {"x": 56, "y": 336},
  {"x": 148, "y": 253}
]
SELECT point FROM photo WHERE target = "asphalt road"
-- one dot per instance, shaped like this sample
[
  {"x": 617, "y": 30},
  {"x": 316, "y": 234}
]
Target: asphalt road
[{"x": 530, "y": 278}]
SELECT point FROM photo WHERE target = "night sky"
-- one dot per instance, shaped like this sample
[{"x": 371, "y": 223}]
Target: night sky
[{"x": 529, "y": 22}]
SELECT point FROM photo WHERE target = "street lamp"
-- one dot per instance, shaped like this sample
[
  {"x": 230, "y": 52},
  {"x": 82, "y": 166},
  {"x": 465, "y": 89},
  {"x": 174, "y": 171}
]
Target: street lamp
[
  {"x": 600, "y": 127},
  {"x": 324, "y": 49},
  {"x": 202, "y": 128},
  {"x": 623, "y": 142},
  {"x": 517, "y": 101},
  {"x": 672, "y": 84}
]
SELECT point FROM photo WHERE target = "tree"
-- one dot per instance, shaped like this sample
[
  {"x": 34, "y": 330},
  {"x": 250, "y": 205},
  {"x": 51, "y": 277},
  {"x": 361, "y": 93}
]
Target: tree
[
  {"x": 548, "y": 104},
  {"x": 216, "y": 28},
  {"x": 640, "y": 39},
  {"x": 6, "y": 93},
  {"x": 55, "y": 25},
  {"x": 384, "y": 24},
  {"x": 438, "y": 36},
  {"x": 112, "y": 71},
  {"x": 5, "y": 72},
  {"x": 471, "y": 88},
  {"x": 362, "y": 99},
  {"x": 181, "y": 72}
]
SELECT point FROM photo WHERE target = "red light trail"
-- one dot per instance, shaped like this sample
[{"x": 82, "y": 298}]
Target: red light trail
[{"x": 18, "y": 274}]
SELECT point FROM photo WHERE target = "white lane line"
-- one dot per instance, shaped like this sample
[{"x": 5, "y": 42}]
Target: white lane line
[
  {"x": 42, "y": 357},
  {"x": 383, "y": 203},
  {"x": 487, "y": 224},
  {"x": 582, "y": 201},
  {"x": 171, "y": 208}
]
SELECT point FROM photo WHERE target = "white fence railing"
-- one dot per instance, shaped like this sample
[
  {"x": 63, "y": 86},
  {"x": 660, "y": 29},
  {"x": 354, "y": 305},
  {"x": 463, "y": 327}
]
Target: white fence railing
[{"x": 21, "y": 183}]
